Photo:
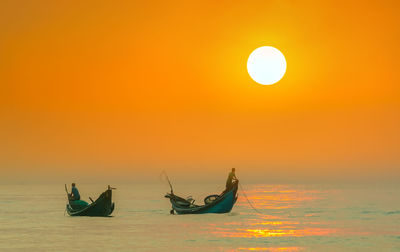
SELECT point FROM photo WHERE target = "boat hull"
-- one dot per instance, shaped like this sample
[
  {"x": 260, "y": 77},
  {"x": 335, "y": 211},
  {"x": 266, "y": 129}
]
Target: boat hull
[
  {"x": 223, "y": 204},
  {"x": 102, "y": 207}
]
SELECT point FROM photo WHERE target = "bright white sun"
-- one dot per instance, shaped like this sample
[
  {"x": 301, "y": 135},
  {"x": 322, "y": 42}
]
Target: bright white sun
[{"x": 266, "y": 65}]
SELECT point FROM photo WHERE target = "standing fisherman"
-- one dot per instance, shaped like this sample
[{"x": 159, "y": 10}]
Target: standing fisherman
[{"x": 231, "y": 179}]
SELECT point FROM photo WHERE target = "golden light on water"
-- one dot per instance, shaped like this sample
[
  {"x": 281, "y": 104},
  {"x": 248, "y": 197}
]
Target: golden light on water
[
  {"x": 287, "y": 232},
  {"x": 272, "y": 249},
  {"x": 277, "y": 202},
  {"x": 276, "y": 223},
  {"x": 279, "y": 197},
  {"x": 283, "y": 232},
  {"x": 288, "y": 217}
]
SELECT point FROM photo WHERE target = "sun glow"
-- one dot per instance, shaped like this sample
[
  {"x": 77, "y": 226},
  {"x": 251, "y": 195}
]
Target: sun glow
[{"x": 266, "y": 65}]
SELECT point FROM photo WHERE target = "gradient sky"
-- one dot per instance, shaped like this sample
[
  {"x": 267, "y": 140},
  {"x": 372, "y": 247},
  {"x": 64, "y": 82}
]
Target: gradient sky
[{"x": 126, "y": 89}]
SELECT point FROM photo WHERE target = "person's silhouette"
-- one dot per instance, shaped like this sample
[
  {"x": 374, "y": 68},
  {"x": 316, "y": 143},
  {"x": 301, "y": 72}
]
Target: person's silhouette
[
  {"x": 231, "y": 178},
  {"x": 75, "y": 193}
]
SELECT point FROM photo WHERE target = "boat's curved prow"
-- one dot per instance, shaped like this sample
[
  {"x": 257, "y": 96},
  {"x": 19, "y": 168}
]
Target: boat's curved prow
[{"x": 103, "y": 206}]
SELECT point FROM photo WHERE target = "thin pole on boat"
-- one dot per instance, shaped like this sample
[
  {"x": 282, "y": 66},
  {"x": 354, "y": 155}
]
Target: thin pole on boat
[
  {"x": 248, "y": 201},
  {"x": 169, "y": 182},
  {"x": 66, "y": 190},
  {"x": 67, "y": 197}
]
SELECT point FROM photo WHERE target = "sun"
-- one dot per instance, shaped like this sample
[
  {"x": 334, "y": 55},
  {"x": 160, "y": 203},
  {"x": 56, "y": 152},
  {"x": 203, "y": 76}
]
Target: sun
[{"x": 266, "y": 65}]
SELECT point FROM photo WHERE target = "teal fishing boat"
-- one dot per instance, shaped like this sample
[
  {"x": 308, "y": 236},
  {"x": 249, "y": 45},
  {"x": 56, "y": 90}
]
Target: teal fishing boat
[
  {"x": 101, "y": 207},
  {"x": 222, "y": 203}
]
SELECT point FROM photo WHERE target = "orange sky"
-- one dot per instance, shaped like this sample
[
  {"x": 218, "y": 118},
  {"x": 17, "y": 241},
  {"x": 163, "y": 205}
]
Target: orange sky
[{"x": 129, "y": 88}]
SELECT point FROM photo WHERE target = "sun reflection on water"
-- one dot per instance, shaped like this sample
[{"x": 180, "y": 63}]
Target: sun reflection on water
[
  {"x": 288, "y": 216},
  {"x": 278, "y": 197},
  {"x": 272, "y": 249},
  {"x": 281, "y": 232}
]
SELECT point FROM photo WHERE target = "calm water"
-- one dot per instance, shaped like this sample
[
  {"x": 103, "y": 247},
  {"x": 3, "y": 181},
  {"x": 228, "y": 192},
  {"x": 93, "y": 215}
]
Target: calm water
[{"x": 294, "y": 218}]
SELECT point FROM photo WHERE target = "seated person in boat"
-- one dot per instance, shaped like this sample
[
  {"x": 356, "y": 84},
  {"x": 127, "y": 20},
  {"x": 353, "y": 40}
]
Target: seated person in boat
[
  {"x": 75, "y": 193},
  {"x": 231, "y": 179}
]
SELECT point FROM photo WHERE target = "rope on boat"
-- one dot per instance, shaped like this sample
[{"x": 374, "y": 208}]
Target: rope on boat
[{"x": 248, "y": 201}]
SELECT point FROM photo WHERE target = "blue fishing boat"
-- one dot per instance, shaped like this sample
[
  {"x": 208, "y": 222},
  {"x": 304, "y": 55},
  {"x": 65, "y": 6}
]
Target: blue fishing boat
[
  {"x": 222, "y": 203},
  {"x": 102, "y": 207}
]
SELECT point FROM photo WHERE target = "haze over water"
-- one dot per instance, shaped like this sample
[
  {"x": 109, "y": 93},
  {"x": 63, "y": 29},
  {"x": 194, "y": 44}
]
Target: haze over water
[{"x": 293, "y": 218}]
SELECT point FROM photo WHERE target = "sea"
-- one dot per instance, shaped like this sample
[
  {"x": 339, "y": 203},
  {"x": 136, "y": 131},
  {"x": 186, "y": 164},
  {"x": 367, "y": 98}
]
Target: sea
[{"x": 266, "y": 217}]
